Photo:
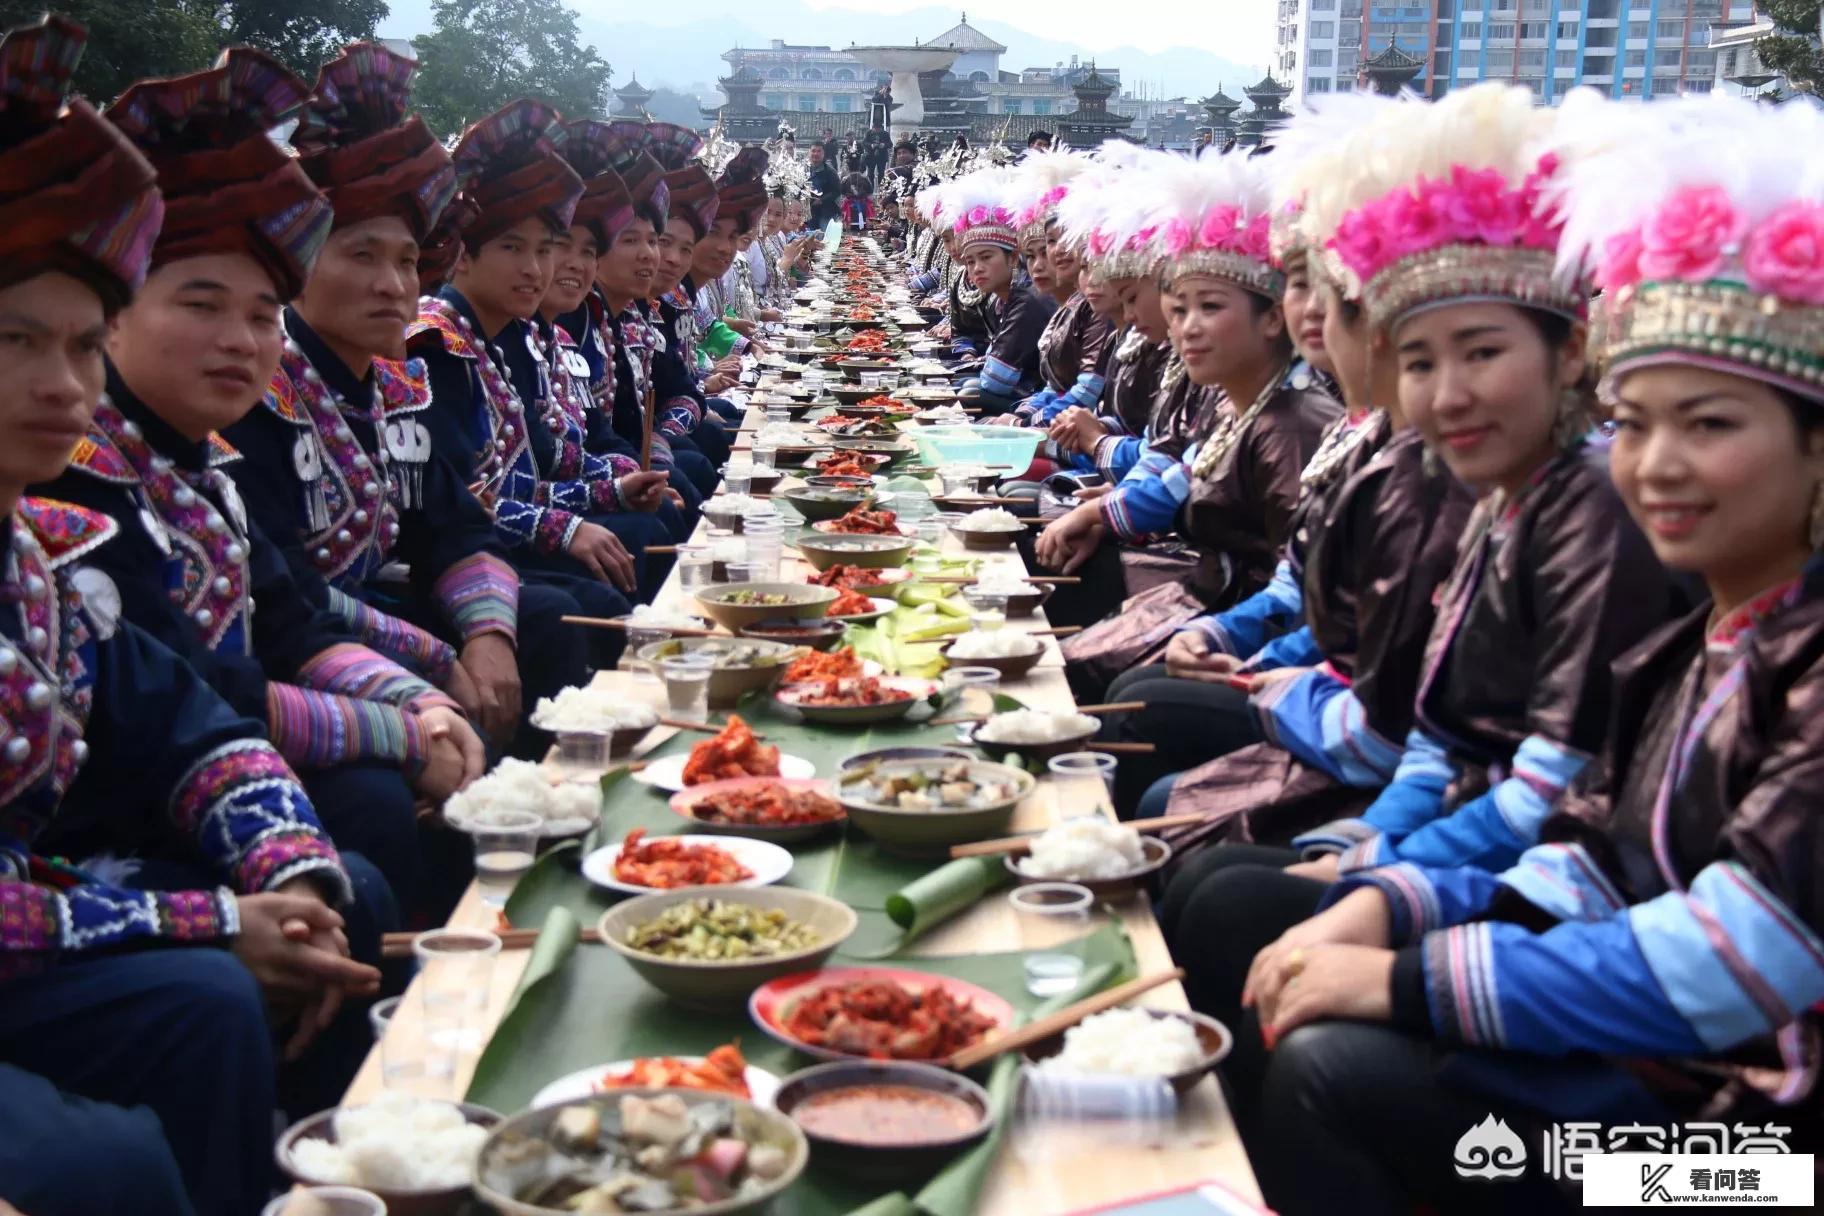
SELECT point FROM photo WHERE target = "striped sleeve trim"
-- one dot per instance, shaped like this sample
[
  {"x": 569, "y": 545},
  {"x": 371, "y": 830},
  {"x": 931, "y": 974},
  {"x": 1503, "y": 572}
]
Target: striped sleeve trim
[
  {"x": 1333, "y": 837},
  {"x": 351, "y": 670},
  {"x": 1460, "y": 985},
  {"x": 1730, "y": 956},
  {"x": 389, "y": 635},
  {"x": 1564, "y": 880},
  {"x": 480, "y": 594},
  {"x": 1412, "y": 901},
  {"x": 315, "y": 730}
]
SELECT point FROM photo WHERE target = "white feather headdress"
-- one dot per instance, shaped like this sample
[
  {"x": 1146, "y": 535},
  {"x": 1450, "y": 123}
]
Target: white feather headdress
[
  {"x": 1702, "y": 219},
  {"x": 1039, "y": 184},
  {"x": 976, "y": 207},
  {"x": 1207, "y": 216}
]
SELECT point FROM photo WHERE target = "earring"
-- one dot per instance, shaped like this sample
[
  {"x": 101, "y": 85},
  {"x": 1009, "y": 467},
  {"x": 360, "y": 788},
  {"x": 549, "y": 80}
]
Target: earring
[
  {"x": 1816, "y": 530},
  {"x": 1573, "y": 421}
]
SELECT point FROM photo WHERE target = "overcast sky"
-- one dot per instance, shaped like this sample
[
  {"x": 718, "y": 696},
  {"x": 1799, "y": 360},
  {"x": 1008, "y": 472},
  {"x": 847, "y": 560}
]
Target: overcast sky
[{"x": 1238, "y": 29}]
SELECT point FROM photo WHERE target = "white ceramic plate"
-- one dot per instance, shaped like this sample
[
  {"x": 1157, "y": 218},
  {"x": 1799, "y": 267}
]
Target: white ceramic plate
[
  {"x": 668, "y": 773},
  {"x": 768, "y": 862},
  {"x": 587, "y": 1081}
]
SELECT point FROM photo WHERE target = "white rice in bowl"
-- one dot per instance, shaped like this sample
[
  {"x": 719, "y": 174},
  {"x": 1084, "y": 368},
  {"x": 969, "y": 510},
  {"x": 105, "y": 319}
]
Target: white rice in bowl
[
  {"x": 396, "y": 1143},
  {"x": 1036, "y": 726},
  {"x": 645, "y": 616},
  {"x": 1127, "y": 1043},
  {"x": 591, "y": 709},
  {"x": 1089, "y": 847},
  {"x": 991, "y": 519},
  {"x": 520, "y": 785},
  {"x": 994, "y": 644}
]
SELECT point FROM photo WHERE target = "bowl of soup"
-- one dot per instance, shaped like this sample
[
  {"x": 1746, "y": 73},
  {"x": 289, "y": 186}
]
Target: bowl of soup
[{"x": 887, "y": 1120}]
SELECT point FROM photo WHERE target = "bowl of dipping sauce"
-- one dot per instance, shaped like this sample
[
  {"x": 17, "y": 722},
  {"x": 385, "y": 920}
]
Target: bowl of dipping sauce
[{"x": 886, "y": 1120}]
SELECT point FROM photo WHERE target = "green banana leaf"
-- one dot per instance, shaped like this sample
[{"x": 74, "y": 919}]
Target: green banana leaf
[{"x": 580, "y": 1007}]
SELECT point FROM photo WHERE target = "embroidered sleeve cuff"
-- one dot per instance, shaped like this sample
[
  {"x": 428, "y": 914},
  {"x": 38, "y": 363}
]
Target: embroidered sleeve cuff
[
  {"x": 605, "y": 497},
  {"x": 1413, "y": 907},
  {"x": 479, "y": 594},
  {"x": 1460, "y": 985},
  {"x": 554, "y": 531},
  {"x": 315, "y": 730},
  {"x": 39, "y": 922},
  {"x": 352, "y": 670},
  {"x": 1333, "y": 837},
  {"x": 389, "y": 635}
]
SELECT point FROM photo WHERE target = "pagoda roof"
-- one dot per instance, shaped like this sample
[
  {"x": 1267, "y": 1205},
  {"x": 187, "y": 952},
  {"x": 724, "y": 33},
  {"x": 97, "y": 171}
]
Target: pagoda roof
[
  {"x": 1392, "y": 59},
  {"x": 1268, "y": 87},
  {"x": 966, "y": 37}
]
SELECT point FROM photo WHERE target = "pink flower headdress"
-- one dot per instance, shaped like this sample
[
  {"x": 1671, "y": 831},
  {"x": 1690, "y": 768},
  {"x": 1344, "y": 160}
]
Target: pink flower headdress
[
  {"x": 1210, "y": 217},
  {"x": 1101, "y": 214},
  {"x": 1702, "y": 220},
  {"x": 1038, "y": 184},
  {"x": 976, "y": 207},
  {"x": 1418, "y": 203}
]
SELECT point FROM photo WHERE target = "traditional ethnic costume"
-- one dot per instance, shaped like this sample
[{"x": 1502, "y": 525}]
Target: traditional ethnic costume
[
  {"x": 1010, "y": 360},
  {"x": 1658, "y": 956},
  {"x": 338, "y": 469},
  {"x": 114, "y": 1046},
  {"x": 1237, "y": 487},
  {"x": 1549, "y": 586},
  {"x": 493, "y": 407}
]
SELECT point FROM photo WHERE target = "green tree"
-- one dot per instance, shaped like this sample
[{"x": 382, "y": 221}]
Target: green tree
[
  {"x": 1794, "y": 49},
  {"x": 133, "y": 39},
  {"x": 299, "y": 33},
  {"x": 482, "y": 54},
  {"x": 127, "y": 41}
]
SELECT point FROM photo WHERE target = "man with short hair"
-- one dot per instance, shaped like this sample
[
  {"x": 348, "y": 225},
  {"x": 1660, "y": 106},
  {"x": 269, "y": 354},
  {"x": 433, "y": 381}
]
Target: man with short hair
[
  {"x": 1039, "y": 141},
  {"x": 826, "y": 188}
]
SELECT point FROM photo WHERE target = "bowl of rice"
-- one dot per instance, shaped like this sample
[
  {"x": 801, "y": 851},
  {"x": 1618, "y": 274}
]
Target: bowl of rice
[
  {"x": 730, "y": 511},
  {"x": 1023, "y": 599},
  {"x": 567, "y": 808},
  {"x": 1111, "y": 860},
  {"x": 589, "y": 713},
  {"x": 1008, "y": 651},
  {"x": 989, "y": 528},
  {"x": 416, "y": 1154},
  {"x": 1035, "y": 734},
  {"x": 1175, "y": 1045}
]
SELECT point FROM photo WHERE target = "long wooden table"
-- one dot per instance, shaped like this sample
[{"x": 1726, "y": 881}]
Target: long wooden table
[{"x": 1033, "y": 1178}]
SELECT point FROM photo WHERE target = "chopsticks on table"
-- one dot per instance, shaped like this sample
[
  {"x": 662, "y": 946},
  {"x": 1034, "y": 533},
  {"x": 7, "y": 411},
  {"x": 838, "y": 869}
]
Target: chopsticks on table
[
  {"x": 608, "y": 622},
  {"x": 1112, "y": 707},
  {"x": 1015, "y": 845},
  {"x": 1062, "y": 631},
  {"x": 1038, "y": 580},
  {"x": 1062, "y": 1020},
  {"x": 399, "y": 945}
]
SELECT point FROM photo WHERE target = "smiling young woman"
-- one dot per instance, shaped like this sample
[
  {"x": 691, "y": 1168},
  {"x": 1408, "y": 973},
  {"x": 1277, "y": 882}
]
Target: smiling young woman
[{"x": 1658, "y": 953}]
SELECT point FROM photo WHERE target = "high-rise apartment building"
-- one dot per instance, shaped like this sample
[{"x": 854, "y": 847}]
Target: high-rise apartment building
[{"x": 1638, "y": 49}]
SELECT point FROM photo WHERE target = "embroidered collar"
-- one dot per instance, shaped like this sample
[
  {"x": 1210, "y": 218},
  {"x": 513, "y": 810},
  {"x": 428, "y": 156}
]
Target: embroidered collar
[
  {"x": 1728, "y": 632},
  {"x": 212, "y": 587},
  {"x": 336, "y": 374}
]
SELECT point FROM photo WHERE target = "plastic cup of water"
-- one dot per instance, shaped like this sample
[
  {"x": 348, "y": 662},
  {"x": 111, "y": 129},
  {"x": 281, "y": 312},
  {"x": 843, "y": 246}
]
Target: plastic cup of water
[
  {"x": 455, "y": 972},
  {"x": 695, "y": 566},
  {"x": 687, "y": 686},
  {"x": 975, "y": 688},
  {"x": 506, "y": 845},
  {"x": 1084, "y": 781},
  {"x": 745, "y": 572},
  {"x": 1049, "y": 915}
]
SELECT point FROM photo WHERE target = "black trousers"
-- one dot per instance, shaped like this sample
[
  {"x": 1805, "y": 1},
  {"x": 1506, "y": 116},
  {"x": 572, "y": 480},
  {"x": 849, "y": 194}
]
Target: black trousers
[
  {"x": 1099, "y": 595},
  {"x": 1363, "y": 1119},
  {"x": 1188, "y": 723}
]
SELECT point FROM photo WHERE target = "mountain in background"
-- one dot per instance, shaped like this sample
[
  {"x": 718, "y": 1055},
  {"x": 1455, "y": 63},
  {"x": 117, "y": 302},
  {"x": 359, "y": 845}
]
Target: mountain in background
[{"x": 682, "y": 48}]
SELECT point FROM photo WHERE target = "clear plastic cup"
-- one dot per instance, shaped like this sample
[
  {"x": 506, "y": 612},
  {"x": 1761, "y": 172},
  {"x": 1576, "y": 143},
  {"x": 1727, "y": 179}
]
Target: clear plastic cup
[
  {"x": 413, "y": 1065},
  {"x": 1084, "y": 782},
  {"x": 638, "y": 638},
  {"x": 745, "y": 572},
  {"x": 931, "y": 530},
  {"x": 326, "y": 1201},
  {"x": 766, "y": 453},
  {"x": 455, "y": 970},
  {"x": 738, "y": 480},
  {"x": 1061, "y": 1115},
  {"x": 506, "y": 845},
  {"x": 687, "y": 686},
  {"x": 695, "y": 566},
  {"x": 975, "y": 688},
  {"x": 1049, "y": 915}
]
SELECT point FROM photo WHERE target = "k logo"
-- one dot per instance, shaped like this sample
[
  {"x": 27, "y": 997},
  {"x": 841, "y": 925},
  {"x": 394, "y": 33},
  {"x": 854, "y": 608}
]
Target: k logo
[{"x": 1490, "y": 1150}]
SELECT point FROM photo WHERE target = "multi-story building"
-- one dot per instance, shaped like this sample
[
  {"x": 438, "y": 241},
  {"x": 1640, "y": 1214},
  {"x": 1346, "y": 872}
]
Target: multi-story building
[
  {"x": 804, "y": 79},
  {"x": 1630, "y": 49}
]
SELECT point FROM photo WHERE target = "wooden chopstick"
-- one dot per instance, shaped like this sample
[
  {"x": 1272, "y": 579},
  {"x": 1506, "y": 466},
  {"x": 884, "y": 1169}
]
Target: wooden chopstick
[
  {"x": 399, "y": 945},
  {"x": 1113, "y": 707},
  {"x": 1014, "y": 845},
  {"x": 1062, "y": 1020},
  {"x": 1063, "y": 631},
  {"x": 1121, "y": 749},
  {"x": 608, "y": 622},
  {"x": 1059, "y": 580}
]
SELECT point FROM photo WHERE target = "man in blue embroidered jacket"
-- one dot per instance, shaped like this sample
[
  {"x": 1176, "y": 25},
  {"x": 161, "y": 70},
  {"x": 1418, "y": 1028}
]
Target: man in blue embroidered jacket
[{"x": 113, "y": 746}]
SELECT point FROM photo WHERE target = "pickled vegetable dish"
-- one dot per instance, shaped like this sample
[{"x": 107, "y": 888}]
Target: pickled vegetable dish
[{"x": 714, "y": 930}]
